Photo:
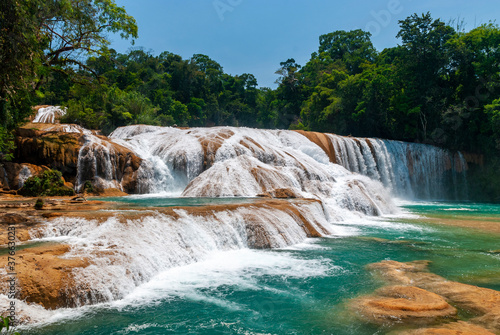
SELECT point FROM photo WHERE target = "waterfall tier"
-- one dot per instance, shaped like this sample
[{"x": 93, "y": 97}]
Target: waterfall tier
[
  {"x": 182, "y": 161},
  {"x": 108, "y": 254}
]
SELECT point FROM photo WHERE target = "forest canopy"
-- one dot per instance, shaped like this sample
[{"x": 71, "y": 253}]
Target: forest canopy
[{"x": 440, "y": 85}]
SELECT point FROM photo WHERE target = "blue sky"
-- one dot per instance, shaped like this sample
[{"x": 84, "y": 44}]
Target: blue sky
[{"x": 254, "y": 36}]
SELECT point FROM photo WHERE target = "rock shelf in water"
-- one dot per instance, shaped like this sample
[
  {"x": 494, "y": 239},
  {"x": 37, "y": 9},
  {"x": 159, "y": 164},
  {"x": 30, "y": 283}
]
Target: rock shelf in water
[
  {"x": 415, "y": 295},
  {"x": 104, "y": 255}
]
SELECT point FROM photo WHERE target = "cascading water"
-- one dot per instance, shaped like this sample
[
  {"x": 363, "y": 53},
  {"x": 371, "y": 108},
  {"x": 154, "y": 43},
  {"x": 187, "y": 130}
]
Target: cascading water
[
  {"x": 97, "y": 163},
  {"x": 49, "y": 114},
  {"x": 410, "y": 170},
  {"x": 227, "y": 162},
  {"x": 127, "y": 248},
  {"x": 174, "y": 157},
  {"x": 126, "y": 252}
]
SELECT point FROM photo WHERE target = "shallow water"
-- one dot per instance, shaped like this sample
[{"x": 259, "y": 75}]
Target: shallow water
[
  {"x": 298, "y": 290},
  {"x": 163, "y": 201}
]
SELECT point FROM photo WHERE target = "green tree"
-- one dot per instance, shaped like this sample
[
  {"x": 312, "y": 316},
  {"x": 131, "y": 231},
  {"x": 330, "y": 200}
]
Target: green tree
[
  {"x": 423, "y": 64},
  {"x": 39, "y": 37},
  {"x": 21, "y": 47},
  {"x": 352, "y": 48}
]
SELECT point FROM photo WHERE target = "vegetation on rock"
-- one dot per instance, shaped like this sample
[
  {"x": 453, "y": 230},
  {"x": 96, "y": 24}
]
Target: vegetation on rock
[
  {"x": 5, "y": 325},
  {"x": 41, "y": 40},
  {"x": 48, "y": 183}
]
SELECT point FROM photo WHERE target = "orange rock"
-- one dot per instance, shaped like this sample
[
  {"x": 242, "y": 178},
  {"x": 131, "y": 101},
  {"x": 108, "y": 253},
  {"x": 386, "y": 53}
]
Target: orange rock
[
  {"x": 483, "y": 302},
  {"x": 44, "y": 277},
  {"x": 454, "y": 328},
  {"x": 40, "y": 146},
  {"x": 323, "y": 141},
  {"x": 403, "y": 304}
]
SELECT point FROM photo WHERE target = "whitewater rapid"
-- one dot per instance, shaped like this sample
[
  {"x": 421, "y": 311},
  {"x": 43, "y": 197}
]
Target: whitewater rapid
[{"x": 131, "y": 252}]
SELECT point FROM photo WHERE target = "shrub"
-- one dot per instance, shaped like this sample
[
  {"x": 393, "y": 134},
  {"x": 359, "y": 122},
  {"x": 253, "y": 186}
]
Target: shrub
[
  {"x": 88, "y": 187},
  {"x": 5, "y": 324},
  {"x": 39, "y": 203},
  {"x": 48, "y": 183}
]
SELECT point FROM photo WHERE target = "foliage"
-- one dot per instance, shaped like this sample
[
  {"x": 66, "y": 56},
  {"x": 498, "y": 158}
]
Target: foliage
[
  {"x": 39, "y": 203},
  {"x": 48, "y": 183},
  {"x": 159, "y": 90},
  {"x": 440, "y": 86},
  {"x": 88, "y": 187},
  {"x": 6, "y": 144},
  {"x": 42, "y": 40},
  {"x": 5, "y": 324}
]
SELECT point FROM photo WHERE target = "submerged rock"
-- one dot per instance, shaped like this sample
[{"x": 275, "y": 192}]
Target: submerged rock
[
  {"x": 483, "y": 303},
  {"x": 403, "y": 304},
  {"x": 454, "y": 328}
]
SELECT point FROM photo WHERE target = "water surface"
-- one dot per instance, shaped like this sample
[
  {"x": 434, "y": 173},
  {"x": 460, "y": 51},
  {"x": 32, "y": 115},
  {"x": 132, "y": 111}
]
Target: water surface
[{"x": 298, "y": 290}]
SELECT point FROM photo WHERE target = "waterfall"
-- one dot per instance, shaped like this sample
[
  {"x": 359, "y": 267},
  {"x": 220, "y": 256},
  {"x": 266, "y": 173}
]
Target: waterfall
[
  {"x": 97, "y": 163},
  {"x": 410, "y": 170},
  {"x": 228, "y": 162},
  {"x": 126, "y": 251},
  {"x": 49, "y": 114},
  {"x": 184, "y": 161}
]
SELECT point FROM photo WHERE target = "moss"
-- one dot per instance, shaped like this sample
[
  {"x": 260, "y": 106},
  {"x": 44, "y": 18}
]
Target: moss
[
  {"x": 48, "y": 183},
  {"x": 39, "y": 203}
]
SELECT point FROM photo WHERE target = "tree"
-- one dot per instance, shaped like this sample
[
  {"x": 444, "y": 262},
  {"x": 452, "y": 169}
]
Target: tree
[
  {"x": 424, "y": 65},
  {"x": 353, "y": 48},
  {"x": 76, "y": 29},
  {"x": 21, "y": 48},
  {"x": 289, "y": 92},
  {"x": 39, "y": 37}
]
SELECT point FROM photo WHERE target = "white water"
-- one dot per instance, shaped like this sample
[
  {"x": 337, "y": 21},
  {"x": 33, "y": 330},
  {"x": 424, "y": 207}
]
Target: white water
[
  {"x": 285, "y": 159},
  {"x": 49, "y": 114},
  {"x": 216, "y": 162},
  {"x": 97, "y": 162},
  {"x": 126, "y": 253},
  {"x": 246, "y": 162},
  {"x": 239, "y": 268},
  {"x": 410, "y": 170}
]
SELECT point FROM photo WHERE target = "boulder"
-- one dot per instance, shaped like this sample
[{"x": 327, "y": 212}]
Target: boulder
[
  {"x": 44, "y": 277},
  {"x": 403, "y": 304}
]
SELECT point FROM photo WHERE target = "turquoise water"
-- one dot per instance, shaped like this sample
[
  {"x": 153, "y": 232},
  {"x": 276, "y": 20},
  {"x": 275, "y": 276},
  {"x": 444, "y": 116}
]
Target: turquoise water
[
  {"x": 299, "y": 290},
  {"x": 148, "y": 201}
]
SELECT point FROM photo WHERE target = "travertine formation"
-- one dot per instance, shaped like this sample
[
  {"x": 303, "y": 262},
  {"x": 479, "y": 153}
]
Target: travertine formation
[
  {"x": 417, "y": 296},
  {"x": 111, "y": 257},
  {"x": 40, "y": 146}
]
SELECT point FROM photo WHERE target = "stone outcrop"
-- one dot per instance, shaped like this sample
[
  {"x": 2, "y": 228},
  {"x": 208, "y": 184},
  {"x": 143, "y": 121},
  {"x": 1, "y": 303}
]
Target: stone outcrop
[
  {"x": 481, "y": 302},
  {"x": 13, "y": 175},
  {"x": 322, "y": 141},
  {"x": 405, "y": 304},
  {"x": 44, "y": 277},
  {"x": 58, "y": 146},
  {"x": 54, "y": 149},
  {"x": 102, "y": 157},
  {"x": 454, "y": 328}
]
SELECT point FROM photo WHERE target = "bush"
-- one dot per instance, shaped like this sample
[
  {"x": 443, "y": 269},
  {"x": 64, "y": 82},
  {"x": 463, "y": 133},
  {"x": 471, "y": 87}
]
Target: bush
[
  {"x": 5, "y": 324},
  {"x": 48, "y": 183},
  {"x": 39, "y": 203},
  {"x": 88, "y": 187}
]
